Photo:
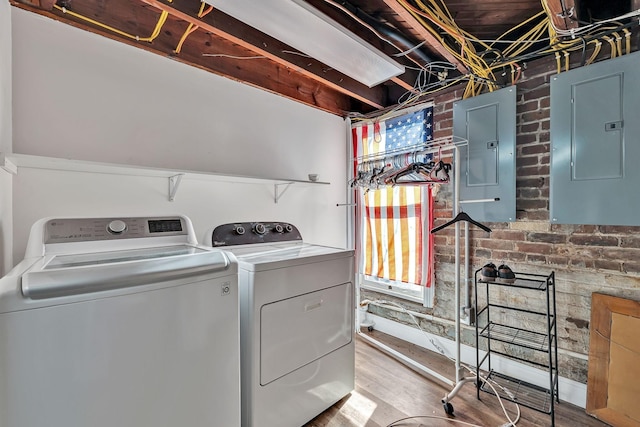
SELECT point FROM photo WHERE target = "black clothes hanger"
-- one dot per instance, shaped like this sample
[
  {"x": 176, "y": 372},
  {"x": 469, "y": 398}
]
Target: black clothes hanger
[
  {"x": 442, "y": 169},
  {"x": 414, "y": 168},
  {"x": 462, "y": 216}
]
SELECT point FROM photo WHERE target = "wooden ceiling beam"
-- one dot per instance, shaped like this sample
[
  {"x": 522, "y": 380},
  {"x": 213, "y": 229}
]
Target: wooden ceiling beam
[
  {"x": 237, "y": 32},
  {"x": 403, "y": 84},
  {"x": 425, "y": 34},
  {"x": 272, "y": 77},
  {"x": 254, "y": 70},
  {"x": 296, "y": 87},
  {"x": 560, "y": 14}
]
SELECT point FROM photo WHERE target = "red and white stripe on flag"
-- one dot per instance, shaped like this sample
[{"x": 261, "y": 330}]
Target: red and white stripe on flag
[
  {"x": 392, "y": 220},
  {"x": 393, "y": 234}
]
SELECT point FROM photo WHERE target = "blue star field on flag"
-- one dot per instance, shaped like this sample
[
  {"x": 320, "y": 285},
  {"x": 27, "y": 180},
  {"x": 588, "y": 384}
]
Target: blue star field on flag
[{"x": 409, "y": 130}]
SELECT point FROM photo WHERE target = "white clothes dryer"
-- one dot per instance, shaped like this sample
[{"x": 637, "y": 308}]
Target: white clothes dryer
[
  {"x": 119, "y": 322},
  {"x": 296, "y": 322}
]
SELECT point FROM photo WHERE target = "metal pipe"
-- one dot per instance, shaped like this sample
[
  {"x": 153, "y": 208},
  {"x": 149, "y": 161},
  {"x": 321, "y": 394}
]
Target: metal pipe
[
  {"x": 387, "y": 31},
  {"x": 406, "y": 360},
  {"x": 467, "y": 280},
  {"x": 456, "y": 210}
]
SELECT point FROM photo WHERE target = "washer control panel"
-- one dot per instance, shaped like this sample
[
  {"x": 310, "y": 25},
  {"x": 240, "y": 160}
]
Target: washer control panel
[
  {"x": 67, "y": 230},
  {"x": 246, "y": 233}
]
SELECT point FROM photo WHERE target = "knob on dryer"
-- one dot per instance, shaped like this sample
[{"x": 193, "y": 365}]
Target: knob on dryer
[
  {"x": 239, "y": 230},
  {"x": 259, "y": 229},
  {"x": 279, "y": 228},
  {"x": 288, "y": 228}
]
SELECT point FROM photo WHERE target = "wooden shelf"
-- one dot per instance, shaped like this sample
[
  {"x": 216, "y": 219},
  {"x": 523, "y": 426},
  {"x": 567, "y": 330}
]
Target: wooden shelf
[{"x": 13, "y": 162}]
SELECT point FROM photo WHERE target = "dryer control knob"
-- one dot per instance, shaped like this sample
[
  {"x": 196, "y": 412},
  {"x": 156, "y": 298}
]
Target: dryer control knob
[
  {"x": 279, "y": 228},
  {"x": 116, "y": 227},
  {"x": 288, "y": 228},
  {"x": 239, "y": 230},
  {"x": 259, "y": 229}
]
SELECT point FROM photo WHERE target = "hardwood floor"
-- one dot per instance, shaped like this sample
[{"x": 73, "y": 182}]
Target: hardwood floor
[{"x": 387, "y": 391}]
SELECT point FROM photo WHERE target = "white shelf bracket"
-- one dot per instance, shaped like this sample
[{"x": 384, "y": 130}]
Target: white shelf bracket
[
  {"x": 174, "y": 183},
  {"x": 276, "y": 190}
]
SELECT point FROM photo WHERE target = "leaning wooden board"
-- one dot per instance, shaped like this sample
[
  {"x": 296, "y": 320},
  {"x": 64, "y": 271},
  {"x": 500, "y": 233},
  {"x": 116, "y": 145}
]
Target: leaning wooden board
[{"x": 613, "y": 389}]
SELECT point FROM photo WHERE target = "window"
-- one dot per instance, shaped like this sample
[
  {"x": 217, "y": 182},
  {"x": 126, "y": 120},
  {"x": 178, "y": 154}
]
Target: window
[{"x": 393, "y": 242}]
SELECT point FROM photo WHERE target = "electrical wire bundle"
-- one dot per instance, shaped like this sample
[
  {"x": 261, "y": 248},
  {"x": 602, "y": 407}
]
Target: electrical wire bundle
[
  {"x": 495, "y": 63},
  {"x": 491, "y": 64},
  {"x": 483, "y": 58}
]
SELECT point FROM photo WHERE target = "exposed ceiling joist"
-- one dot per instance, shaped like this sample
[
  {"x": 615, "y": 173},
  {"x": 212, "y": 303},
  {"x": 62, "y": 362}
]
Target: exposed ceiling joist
[
  {"x": 261, "y": 44},
  {"x": 264, "y": 74},
  {"x": 498, "y": 31},
  {"x": 424, "y": 33},
  {"x": 563, "y": 14}
]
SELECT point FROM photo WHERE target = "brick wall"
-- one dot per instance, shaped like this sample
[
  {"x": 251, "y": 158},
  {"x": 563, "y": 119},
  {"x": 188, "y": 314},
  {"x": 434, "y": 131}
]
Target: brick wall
[{"x": 585, "y": 258}]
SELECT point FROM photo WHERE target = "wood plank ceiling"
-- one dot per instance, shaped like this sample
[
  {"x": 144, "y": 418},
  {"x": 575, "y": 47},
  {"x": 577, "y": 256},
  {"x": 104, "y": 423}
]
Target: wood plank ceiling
[{"x": 189, "y": 31}]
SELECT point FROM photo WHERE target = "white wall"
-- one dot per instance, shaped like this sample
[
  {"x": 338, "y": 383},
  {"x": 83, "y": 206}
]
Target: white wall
[
  {"x": 207, "y": 203},
  {"x": 6, "y": 224},
  {"x": 82, "y": 96}
]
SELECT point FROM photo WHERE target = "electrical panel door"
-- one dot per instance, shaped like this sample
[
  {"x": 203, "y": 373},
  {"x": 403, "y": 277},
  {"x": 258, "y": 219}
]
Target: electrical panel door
[
  {"x": 595, "y": 147},
  {"x": 487, "y": 161}
]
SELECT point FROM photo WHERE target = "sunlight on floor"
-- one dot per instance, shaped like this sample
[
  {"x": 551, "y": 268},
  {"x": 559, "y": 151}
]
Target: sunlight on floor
[{"x": 359, "y": 409}]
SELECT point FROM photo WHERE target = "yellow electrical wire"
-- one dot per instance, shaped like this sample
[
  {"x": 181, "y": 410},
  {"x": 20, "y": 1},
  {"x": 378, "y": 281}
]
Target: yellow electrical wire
[
  {"x": 534, "y": 34},
  {"x": 156, "y": 31},
  {"x": 525, "y": 36},
  {"x": 437, "y": 14},
  {"x": 612, "y": 44},
  {"x": 627, "y": 37},
  {"x": 471, "y": 61},
  {"x": 615, "y": 42},
  {"x": 618, "y": 43},
  {"x": 191, "y": 28},
  {"x": 596, "y": 51},
  {"x": 435, "y": 17}
]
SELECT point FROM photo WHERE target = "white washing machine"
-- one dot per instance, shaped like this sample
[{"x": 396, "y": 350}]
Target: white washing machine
[
  {"x": 296, "y": 322},
  {"x": 119, "y": 322}
]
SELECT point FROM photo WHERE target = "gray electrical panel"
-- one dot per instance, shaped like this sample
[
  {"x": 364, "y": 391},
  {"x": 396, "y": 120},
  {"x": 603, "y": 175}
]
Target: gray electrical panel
[
  {"x": 488, "y": 162},
  {"x": 595, "y": 144}
]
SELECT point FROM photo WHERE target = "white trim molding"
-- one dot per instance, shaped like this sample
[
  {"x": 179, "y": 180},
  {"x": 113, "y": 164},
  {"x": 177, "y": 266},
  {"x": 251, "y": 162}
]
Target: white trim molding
[{"x": 569, "y": 390}]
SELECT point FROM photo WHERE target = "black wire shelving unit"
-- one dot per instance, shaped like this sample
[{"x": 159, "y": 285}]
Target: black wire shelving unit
[{"x": 519, "y": 340}]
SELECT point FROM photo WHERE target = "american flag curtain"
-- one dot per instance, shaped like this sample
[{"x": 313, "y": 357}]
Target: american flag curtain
[{"x": 392, "y": 219}]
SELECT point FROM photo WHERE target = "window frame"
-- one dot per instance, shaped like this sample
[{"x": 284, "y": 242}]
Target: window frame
[{"x": 391, "y": 288}]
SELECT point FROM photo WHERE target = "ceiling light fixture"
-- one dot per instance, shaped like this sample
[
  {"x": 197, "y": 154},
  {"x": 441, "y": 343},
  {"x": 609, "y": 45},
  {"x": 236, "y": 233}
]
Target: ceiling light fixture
[{"x": 305, "y": 28}]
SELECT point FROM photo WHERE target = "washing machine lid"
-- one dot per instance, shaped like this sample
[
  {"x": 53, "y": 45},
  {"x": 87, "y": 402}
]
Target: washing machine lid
[
  {"x": 271, "y": 256},
  {"x": 97, "y": 258},
  {"x": 74, "y": 274}
]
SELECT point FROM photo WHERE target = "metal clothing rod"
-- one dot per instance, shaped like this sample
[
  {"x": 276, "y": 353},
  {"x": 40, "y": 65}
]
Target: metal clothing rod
[
  {"x": 495, "y": 199},
  {"x": 459, "y": 216},
  {"x": 433, "y": 146},
  {"x": 460, "y": 379}
]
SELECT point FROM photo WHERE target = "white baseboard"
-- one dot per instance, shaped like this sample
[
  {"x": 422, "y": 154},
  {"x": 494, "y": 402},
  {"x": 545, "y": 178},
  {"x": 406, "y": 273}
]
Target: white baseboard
[{"x": 569, "y": 390}]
